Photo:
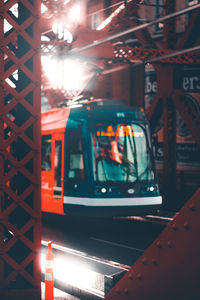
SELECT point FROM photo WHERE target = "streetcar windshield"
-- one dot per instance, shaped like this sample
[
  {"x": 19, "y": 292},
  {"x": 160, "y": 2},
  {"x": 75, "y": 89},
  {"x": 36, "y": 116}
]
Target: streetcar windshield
[{"x": 120, "y": 153}]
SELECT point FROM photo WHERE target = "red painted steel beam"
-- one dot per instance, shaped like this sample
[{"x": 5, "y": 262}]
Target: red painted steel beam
[
  {"x": 134, "y": 29},
  {"x": 154, "y": 112},
  {"x": 189, "y": 114},
  {"x": 151, "y": 55},
  {"x": 169, "y": 268},
  {"x": 85, "y": 36},
  {"x": 169, "y": 160},
  {"x": 169, "y": 113},
  {"x": 1, "y": 163},
  {"x": 164, "y": 92},
  {"x": 20, "y": 106},
  {"x": 128, "y": 18}
]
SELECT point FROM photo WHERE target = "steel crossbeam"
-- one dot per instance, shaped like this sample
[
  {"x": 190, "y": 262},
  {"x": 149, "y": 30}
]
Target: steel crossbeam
[{"x": 169, "y": 268}]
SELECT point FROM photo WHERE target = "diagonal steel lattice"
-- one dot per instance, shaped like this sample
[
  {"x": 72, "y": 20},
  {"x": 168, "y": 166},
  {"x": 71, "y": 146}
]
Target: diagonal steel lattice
[{"x": 20, "y": 213}]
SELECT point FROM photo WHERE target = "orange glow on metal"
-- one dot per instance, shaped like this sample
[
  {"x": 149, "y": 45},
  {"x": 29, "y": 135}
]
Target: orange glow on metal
[{"x": 88, "y": 107}]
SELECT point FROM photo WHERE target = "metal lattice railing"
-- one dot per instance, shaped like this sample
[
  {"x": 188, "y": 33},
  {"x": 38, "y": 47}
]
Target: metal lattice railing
[{"x": 20, "y": 223}]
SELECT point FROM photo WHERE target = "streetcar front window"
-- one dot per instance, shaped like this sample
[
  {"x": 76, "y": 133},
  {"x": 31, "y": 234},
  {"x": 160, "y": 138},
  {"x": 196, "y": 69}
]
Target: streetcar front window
[{"x": 120, "y": 153}]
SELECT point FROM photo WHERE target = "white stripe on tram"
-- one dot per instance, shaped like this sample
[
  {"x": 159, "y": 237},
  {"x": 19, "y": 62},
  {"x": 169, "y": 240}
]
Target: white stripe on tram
[{"x": 139, "y": 201}]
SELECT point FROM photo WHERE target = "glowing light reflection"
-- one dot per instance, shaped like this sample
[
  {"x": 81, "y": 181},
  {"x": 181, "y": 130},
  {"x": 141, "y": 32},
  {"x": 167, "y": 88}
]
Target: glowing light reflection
[
  {"x": 75, "y": 13},
  {"x": 62, "y": 32},
  {"x": 110, "y": 18},
  {"x": 70, "y": 273},
  {"x": 64, "y": 74}
]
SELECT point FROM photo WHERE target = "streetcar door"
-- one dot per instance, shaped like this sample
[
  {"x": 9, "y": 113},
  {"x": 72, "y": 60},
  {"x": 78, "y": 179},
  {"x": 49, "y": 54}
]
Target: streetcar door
[{"x": 58, "y": 170}]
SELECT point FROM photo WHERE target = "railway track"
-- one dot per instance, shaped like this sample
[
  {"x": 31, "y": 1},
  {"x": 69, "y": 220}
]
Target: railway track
[{"x": 161, "y": 217}]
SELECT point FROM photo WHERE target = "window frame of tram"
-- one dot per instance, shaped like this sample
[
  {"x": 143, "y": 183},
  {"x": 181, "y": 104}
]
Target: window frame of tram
[
  {"x": 75, "y": 165},
  {"x": 57, "y": 168},
  {"x": 46, "y": 152}
]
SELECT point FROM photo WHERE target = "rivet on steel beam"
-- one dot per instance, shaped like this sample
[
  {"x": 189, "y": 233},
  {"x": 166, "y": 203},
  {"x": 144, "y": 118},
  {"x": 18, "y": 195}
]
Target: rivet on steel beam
[
  {"x": 158, "y": 244},
  {"x": 118, "y": 291},
  {"x": 139, "y": 276},
  {"x": 126, "y": 291},
  {"x": 192, "y": 207},
  {"x": 170, "y": 244},
  {"x": 154, "y": 261},
  {"x": 186, "y": 225},
  {"x": 144, "y": 261},
  {"x": 174, "y": 227},
  {"x": 37, "y": 50}
]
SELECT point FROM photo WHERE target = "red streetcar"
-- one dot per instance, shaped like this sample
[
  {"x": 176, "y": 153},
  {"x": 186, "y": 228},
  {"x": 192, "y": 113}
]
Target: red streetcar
[{"x": 97, "y": 160}]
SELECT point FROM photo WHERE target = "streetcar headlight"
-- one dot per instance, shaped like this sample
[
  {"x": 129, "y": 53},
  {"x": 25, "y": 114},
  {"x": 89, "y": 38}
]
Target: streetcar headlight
[
  {"x": 103, "y": 190},
  {"x": 150, "y": 188},
  {"x": 131, "y": 191}
]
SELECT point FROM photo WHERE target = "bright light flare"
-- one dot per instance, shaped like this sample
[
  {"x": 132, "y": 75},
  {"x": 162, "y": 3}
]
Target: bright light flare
[
  {"x": 43, "y": 8},
  {"x": 14, "y": 11},
  {"x": 70, "y": 273},
  {"x": 64, "y": 74},
  {"x": 15, "y": 77},
  {"x": 62, "y": 32},
  {"x": 75, "y": 13},
  {"x": 110, "y": 18}
]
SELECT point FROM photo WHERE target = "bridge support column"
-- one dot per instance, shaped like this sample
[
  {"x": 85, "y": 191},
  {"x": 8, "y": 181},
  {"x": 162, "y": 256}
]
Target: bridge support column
[{"x": 20, "y": 208}]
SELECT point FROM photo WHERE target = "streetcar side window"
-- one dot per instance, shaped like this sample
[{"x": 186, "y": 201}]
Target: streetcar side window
[
  {"x": 46, "y": 152},
  {"x": 57, "y": 168},
  {"x": 75, "y": 155}
]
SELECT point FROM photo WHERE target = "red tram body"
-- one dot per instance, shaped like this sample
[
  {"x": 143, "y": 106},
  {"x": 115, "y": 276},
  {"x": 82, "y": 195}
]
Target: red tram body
[{"x": 97, "y": 160}]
